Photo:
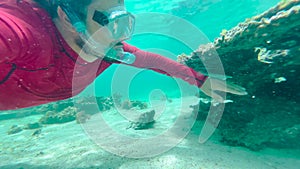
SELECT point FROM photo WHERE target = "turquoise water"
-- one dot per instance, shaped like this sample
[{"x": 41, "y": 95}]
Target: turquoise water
[
  {"x": 66, "y": 144},
  {"x": 209, "y": 16}
]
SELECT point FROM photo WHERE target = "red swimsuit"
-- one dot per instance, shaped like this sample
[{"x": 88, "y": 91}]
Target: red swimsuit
[{"x": 37, "y": 66}]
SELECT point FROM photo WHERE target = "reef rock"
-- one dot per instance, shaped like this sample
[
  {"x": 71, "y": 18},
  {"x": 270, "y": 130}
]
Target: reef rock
[
  {"x": 31, "y": 126},
  {"x": 144, "y": 120},
  {"x": 14, "y": 129},
  {"x": 261, "y": 54},
  {"x": 67, "y": 115}
]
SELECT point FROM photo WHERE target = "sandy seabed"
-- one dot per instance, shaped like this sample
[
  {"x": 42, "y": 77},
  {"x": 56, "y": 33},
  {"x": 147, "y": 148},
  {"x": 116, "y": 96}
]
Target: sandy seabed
[{"x": 69, "y": 146}]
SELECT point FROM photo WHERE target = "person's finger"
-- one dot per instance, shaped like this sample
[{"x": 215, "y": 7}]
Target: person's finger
[
  {"x": 235, "y": 89},
  {"x": 214, "y": 95},
  {"x": 217, "y": 97},
  {"x": 228, "y": 87}
]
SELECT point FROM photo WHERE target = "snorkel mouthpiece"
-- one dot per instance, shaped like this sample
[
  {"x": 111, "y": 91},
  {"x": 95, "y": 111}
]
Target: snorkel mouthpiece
[
  {"x": 128, "y": 58},
  {"x": 119, "y": 55}
]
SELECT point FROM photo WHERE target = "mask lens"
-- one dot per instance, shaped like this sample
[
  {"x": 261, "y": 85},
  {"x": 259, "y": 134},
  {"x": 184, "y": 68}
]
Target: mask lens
[
  {"x": 122, "y": 26},
  {"x": 116, "y": 25},
  {"x": 119, "y": 23}
]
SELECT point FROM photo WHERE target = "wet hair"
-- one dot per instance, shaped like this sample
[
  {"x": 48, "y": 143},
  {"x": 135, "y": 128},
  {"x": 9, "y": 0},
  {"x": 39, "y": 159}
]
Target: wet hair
[{"x": 79, "y": 6}]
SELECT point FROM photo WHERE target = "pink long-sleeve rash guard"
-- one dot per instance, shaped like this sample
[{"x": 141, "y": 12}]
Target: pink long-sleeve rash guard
[{"x": 37, "y": 66}]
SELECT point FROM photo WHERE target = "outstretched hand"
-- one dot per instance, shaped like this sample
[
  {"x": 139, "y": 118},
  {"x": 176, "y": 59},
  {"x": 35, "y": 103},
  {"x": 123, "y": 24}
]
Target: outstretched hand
[{"x": 211, "y": 85}]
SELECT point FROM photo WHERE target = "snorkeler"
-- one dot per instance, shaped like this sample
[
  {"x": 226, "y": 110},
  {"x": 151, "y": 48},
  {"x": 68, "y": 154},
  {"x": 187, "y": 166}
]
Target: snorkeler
[{"x": 42, "y": 41}]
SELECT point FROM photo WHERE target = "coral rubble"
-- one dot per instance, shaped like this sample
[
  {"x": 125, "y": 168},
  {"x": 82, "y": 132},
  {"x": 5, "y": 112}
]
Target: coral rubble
[{"x": 14, "y": 129}]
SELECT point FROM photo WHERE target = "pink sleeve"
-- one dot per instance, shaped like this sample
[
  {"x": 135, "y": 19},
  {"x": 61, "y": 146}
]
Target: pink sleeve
[
  {"x": 165, "y": 66},
  {"x": 20, "y": 34},
  {"x": 9, "y": 41}
]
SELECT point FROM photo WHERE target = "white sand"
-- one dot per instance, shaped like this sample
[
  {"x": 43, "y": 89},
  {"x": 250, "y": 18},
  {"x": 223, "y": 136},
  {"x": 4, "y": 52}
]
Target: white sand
[{"x": 68, "y": 146}]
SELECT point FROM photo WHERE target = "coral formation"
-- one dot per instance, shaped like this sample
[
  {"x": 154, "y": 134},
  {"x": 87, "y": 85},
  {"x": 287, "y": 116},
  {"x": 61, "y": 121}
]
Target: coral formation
[
  {"x": 66, "y": 115},
  {"x": 89, "y": 103},
  {"x": 79, "y": 109},
  {"x": 117, "y": 97},
  {"x": 261, "y": 54},
  {"x": 139, "y": 104},
  {"x": 128, "y": 104}
]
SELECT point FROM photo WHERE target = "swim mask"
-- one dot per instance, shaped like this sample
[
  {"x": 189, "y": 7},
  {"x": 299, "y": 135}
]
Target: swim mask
[
  {"x": 118, "y": 25},
  {"x": 119, "y": 22}
]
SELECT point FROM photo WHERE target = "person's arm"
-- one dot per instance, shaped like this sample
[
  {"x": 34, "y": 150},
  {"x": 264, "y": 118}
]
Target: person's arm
[
  {"x": 165, "y": 66},
  {"x": 10, "y": 44},
  {"x": 172, "y": 68}
]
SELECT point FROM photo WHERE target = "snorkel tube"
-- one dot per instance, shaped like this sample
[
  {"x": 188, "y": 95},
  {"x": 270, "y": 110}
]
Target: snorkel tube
[{"x": 90, "y": 45}]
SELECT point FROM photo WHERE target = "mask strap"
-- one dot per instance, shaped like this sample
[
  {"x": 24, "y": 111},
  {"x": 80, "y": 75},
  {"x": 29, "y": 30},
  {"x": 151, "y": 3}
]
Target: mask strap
[
  {"x": 74, "y": 19},
  {"x": 100, "y": 18}
]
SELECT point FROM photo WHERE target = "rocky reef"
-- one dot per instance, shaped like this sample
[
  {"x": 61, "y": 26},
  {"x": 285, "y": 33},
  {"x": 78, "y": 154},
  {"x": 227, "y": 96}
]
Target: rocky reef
[
  {"x": 261, "y": 54},
  {"x": 144, "y": 120}
]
